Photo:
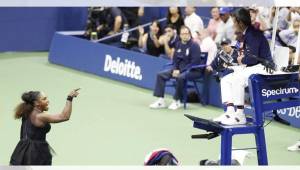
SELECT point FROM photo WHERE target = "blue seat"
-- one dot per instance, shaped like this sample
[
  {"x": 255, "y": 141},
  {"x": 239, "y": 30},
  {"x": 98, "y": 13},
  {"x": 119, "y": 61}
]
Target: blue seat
[{"x": 193, "y": 83}]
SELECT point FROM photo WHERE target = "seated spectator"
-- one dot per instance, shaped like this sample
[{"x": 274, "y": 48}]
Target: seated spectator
[
  {"x": 265, "y": 15},
  {"x": 193, "y": 21},
  {"x": 214, "y": 22},
  {"x": 175, "y": 18},
  {"x": 256, "y": 19},
  {"x": 207, "y": 44},
  {"x": 104, "y": 21},
  {"x": 283, "y": 16},
  {"x": 96, "y": 22},
  {"x": 289, "y": 37},
  {"x": 132, "y": 17},
  {"x": 217, "y": 65},
  {"x": 168, "y": 40},
  {"x": 225, "y": 29},
  {"x": 116, "y": 20},
  {"x": 149, "y": 41},
  {"x": 186, "y": 55},
  {"x": 294, "y": 14}
]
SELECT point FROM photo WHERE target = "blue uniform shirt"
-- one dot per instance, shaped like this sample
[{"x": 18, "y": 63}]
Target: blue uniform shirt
[
  {"x": 186, "y": 55},
  {"x": 256, "y": 43}
]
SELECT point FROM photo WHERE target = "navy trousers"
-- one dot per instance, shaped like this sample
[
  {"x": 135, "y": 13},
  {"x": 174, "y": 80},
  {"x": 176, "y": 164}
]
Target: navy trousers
[{"x": 163, "y": 76}]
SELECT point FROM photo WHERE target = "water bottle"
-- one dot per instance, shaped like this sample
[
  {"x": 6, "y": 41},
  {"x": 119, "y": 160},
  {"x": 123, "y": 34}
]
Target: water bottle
[
  {"x": 94, "y": 36},
  {"x": 125, "y": 35}
]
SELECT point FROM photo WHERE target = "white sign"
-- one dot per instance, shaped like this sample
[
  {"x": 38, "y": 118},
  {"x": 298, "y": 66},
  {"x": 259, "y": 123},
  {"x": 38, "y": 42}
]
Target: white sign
[
  {"x": 124, "y": 68},
  {"x": 280, "y": 91}
]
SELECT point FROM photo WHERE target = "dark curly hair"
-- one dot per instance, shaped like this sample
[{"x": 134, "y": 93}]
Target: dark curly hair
[
  {"x": 242, "y": 15},
  {"x": 26, "y": 107}
]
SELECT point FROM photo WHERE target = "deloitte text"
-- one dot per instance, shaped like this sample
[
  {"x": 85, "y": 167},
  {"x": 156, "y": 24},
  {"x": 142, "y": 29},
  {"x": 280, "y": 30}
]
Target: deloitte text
[
  {"x": 280, "y": 91},
  {"x": 126, "y": 68}
]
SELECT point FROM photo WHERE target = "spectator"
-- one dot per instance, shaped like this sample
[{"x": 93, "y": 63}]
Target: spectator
[
  {"x": 175, "y": 18},
  {"x": 193, "y": 21},
  {"x": 186, "y": 55},
  {"x": 289, "y": 37},
  {"x": 217, "y": 64},
  {"x": 116, "y": 20},
  {"x": 225, "y": 29},
  {"x": 257, "y": 20},
  {"x": 132, "y": 17},
  {"x": 214, "y": 22},
  {"x": 104, "y": 21},
  {"x": 168, "y": 40},
  {"x": 207, "y": 44},
  {"x": 97, "y": 22},
  {"x": 265, "y": 15},
  {"x": 149, "y": 41},
  {"x": 283, "y": 18},
  {"x": 294, "y": 14}
]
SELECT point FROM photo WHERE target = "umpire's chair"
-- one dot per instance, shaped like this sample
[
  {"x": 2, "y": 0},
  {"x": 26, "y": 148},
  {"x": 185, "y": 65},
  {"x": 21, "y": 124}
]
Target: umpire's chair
[
  {"x": 265, "y": 93},
  {"x": 193, "y": 83}
]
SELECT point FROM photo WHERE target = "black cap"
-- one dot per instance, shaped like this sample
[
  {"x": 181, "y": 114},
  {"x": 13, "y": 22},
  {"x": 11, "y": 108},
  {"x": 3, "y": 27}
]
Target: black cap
[{"x": 225, "y": 41}]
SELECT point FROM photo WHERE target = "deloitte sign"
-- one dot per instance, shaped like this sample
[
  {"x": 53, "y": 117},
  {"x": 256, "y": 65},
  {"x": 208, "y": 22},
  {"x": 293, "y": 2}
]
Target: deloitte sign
[{"x": 124, "y": 68}]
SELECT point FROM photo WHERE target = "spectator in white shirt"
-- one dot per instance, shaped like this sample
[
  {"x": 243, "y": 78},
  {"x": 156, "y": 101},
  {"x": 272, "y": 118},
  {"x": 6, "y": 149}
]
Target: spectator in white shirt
[
  {"x": 214, "y": 22},
  {"x": 283, "y": 16},
  {"x": 225, "y": 29},
  {"x": 294, "y": 14},
  {"x": 207, "y": 44},
  {"x": 290, "y": 37},
  {"x": 256, "y": 19},
  {"x": 192, "y": 21}
]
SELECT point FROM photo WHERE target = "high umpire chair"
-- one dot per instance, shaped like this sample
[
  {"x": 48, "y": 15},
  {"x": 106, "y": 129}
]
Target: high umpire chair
[
  {"x": 193, "y": 83},
  {"x": 267, "y": 93}
]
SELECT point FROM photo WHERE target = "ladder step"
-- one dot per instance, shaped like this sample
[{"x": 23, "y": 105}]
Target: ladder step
[{"x": 244, "y": 149}]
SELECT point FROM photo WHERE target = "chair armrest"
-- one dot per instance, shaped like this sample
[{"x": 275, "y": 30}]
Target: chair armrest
[
  {"x": 168, "y": 64},
  {"x": 197, "y": 66}
]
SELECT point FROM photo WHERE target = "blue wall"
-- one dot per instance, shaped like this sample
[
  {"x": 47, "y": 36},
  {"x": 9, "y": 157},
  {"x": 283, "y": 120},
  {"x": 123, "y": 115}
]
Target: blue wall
[{"x": 32, "y": 28}]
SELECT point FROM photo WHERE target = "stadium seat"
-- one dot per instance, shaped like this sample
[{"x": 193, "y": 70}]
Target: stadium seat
[{"x": 193, "y": 83}]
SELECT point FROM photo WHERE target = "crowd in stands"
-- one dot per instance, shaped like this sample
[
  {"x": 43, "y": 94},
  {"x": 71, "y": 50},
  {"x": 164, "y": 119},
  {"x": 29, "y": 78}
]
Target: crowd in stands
[{"x": 159, "y": 38}]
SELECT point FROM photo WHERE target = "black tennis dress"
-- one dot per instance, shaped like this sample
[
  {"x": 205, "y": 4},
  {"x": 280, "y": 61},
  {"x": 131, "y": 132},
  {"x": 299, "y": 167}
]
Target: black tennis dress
[{"x": 32, "y": 148}]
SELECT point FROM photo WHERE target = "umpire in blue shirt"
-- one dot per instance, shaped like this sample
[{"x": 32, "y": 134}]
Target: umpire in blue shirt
[
  {"x": 254, "y": 54},
  {"x": 187, "y": 54}
]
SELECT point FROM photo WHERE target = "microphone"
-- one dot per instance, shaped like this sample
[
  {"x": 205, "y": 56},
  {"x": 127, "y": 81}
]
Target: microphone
[{"x": 270, "y": 66}]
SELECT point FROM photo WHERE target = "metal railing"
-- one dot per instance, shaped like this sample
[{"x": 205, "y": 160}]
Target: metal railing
[{"x": 129, "y": 30}]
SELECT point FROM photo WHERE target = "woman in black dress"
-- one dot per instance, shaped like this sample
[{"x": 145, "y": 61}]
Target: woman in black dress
[
  {"x": 33, "y": 148},
  {"x": 175, "y": 18},
  {"x": 149, "y": 41}
]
